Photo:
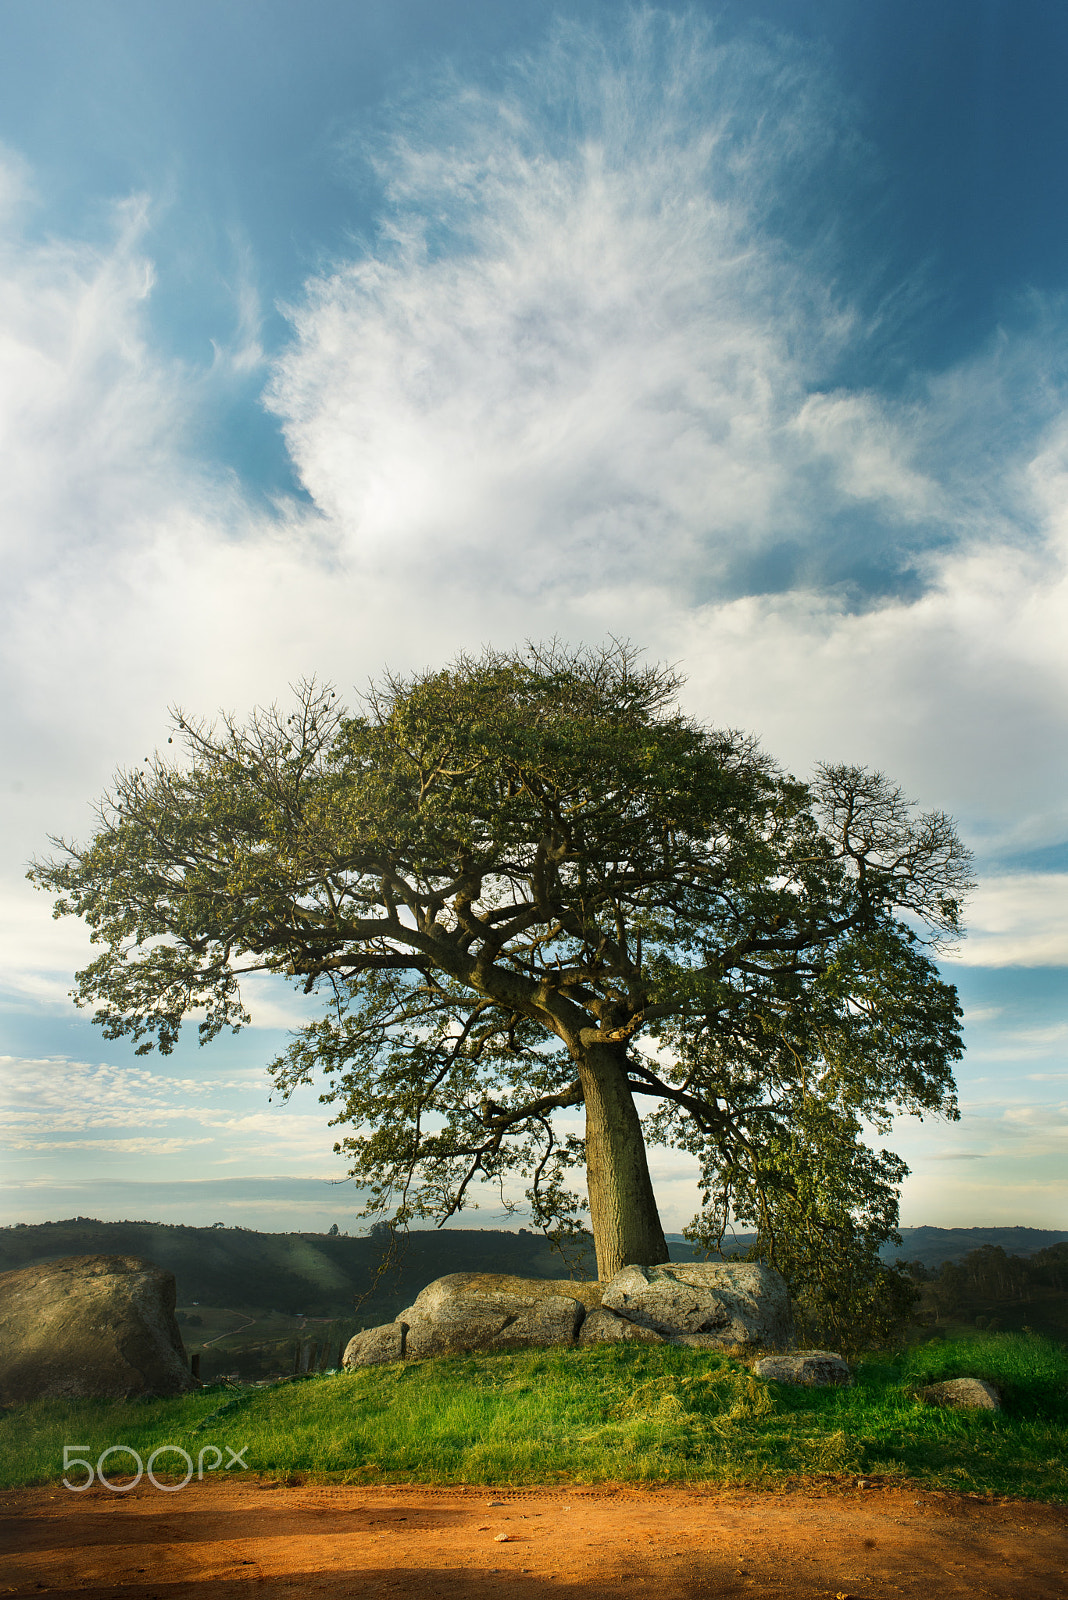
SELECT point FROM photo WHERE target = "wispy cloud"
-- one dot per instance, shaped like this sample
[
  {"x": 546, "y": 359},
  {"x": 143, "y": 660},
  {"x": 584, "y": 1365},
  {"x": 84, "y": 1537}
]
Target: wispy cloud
[
  {"x": 77, "y": 1094},
  {"x": 578, "y": 357},
  {"x": 1020, "y": 921},
  {"x": 138, "y": 1147}
]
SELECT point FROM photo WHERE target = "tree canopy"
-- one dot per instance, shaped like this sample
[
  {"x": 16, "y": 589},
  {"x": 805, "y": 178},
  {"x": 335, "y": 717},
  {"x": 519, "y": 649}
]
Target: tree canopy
[{"x": 528, "y": 884}]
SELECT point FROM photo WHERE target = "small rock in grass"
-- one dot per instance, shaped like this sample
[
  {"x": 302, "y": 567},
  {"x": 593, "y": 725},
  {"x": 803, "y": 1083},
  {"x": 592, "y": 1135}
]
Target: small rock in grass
[
  {"x": 963, "y": 1394},
  {"x": 813, "y": 1368},
  {"x": 502, "y": 1538}
]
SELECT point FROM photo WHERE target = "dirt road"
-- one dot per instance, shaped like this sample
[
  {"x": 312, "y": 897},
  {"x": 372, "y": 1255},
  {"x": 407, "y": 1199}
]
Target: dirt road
[{"x": 235, "y": 1538}]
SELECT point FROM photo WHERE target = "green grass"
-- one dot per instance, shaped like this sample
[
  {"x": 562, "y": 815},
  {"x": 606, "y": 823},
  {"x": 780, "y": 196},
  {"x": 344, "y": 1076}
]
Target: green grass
[{"x": 613, "y": 1413}]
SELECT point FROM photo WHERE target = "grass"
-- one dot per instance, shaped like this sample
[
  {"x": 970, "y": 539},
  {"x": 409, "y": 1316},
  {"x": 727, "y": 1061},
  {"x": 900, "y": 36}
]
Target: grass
[{"x": 613, "y": 1413}]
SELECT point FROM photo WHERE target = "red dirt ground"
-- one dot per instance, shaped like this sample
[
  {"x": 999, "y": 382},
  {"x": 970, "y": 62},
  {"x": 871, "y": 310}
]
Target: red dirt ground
[{"x": 235, "y": 1538}]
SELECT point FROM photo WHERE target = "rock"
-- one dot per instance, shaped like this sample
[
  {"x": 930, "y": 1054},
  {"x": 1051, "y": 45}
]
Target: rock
[
  {"x": 706, "y": 1306},
  {"x": 739, "y": 1302},
  {"x": 492, "y": 1311},
  {"x": 600, "y": 1326},
  {"x": 90, "y": 1325},
  {"x": 816, "y": 1369},
  {"x": 374, "y": 1346},
  {"x": 963, "y": 1394}
]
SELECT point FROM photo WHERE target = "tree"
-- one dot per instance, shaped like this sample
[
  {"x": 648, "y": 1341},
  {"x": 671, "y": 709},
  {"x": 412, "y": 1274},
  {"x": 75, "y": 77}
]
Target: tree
[{"x": 525, "y": 884}]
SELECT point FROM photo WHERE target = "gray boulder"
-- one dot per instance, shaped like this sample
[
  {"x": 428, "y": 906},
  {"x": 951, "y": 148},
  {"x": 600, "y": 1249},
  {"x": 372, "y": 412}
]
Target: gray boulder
[
  {"x": 963, "y": 1394},
  {"x": 491, "y": 1311},
  {"x": 816, "y": 1369},
  {"x": 600, "y": 1326},
  {"x": 374, "y": 1346},
  {"x": 90, "y": 1326},
  {"x": 705, "y": 1303}
]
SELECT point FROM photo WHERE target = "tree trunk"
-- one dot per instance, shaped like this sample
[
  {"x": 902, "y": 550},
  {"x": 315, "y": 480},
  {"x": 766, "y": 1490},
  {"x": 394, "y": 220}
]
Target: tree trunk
[{"x": 626, "y": 1223}]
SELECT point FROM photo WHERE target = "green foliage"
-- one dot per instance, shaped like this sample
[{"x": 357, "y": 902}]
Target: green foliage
[
  {"x": 609, "y": 1413},
  {"x": 823, "y": 1206}
]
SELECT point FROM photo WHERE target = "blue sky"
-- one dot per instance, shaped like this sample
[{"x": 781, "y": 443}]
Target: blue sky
[{"x": 342, "y": 335}]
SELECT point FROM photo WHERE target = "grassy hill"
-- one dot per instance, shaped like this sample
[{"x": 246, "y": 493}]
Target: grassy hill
[{"x": 596, "y": 1414}]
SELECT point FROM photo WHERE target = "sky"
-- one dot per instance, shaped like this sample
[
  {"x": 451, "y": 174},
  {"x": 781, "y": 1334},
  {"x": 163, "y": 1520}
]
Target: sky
[{"x": 349, "y": 335}]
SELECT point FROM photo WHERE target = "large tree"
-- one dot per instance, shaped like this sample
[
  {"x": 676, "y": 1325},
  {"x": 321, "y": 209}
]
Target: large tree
[{"x": 525, "y": 884}]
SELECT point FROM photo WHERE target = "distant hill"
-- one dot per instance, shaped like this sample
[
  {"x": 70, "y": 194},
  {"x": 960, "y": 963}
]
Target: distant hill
[
  {"x": 323, "y": 1275},
  {"x": 932, "y": 1246},
  {"x": 320, "y": 1275}
]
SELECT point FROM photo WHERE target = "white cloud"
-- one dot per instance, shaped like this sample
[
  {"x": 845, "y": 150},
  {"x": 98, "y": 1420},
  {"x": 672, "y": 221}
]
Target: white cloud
[
  {"x": 960, "y": 693},
  {"x": 54, "y": 1106},
  {"x": 1020, "y": 921},
  {"x": 574, "y": 388},
  {"x": 82, "y": 1094}
]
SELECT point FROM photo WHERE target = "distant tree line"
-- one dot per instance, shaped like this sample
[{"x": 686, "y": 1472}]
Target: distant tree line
[{"x": 989, "y": 1277}]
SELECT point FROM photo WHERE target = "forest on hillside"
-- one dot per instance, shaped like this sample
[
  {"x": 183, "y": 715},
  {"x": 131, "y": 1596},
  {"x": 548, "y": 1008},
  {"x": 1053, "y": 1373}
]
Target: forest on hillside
[{"x": 994, "y": 1291}]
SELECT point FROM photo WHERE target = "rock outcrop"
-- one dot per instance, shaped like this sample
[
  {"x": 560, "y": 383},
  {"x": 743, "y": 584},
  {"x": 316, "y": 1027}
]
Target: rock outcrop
[
  {"x": 476, "y": 1311},
  {"x": 374, "y": 1346},
  {"x": 704, "y": 1303},
  {"x": 479, "y": 1311},
  {"x": 90, "y": 1325},
  {"x": 601, "y": 1326},
  {"x": 963, "y": 1394},
  {"x": 706, "y": 1306},
  {"x": 816, "y": 1369}
]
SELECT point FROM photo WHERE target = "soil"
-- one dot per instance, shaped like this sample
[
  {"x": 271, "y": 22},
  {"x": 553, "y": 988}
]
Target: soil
[{"x": 234, "y": 1538}]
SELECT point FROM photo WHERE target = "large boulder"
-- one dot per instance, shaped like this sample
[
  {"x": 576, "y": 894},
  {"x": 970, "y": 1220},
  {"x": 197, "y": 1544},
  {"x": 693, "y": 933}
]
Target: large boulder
[
  {"x": 491, "y": 1311},
  {"x": 708, "y": 1304},
  {"x": 90, "y": 1325}
]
